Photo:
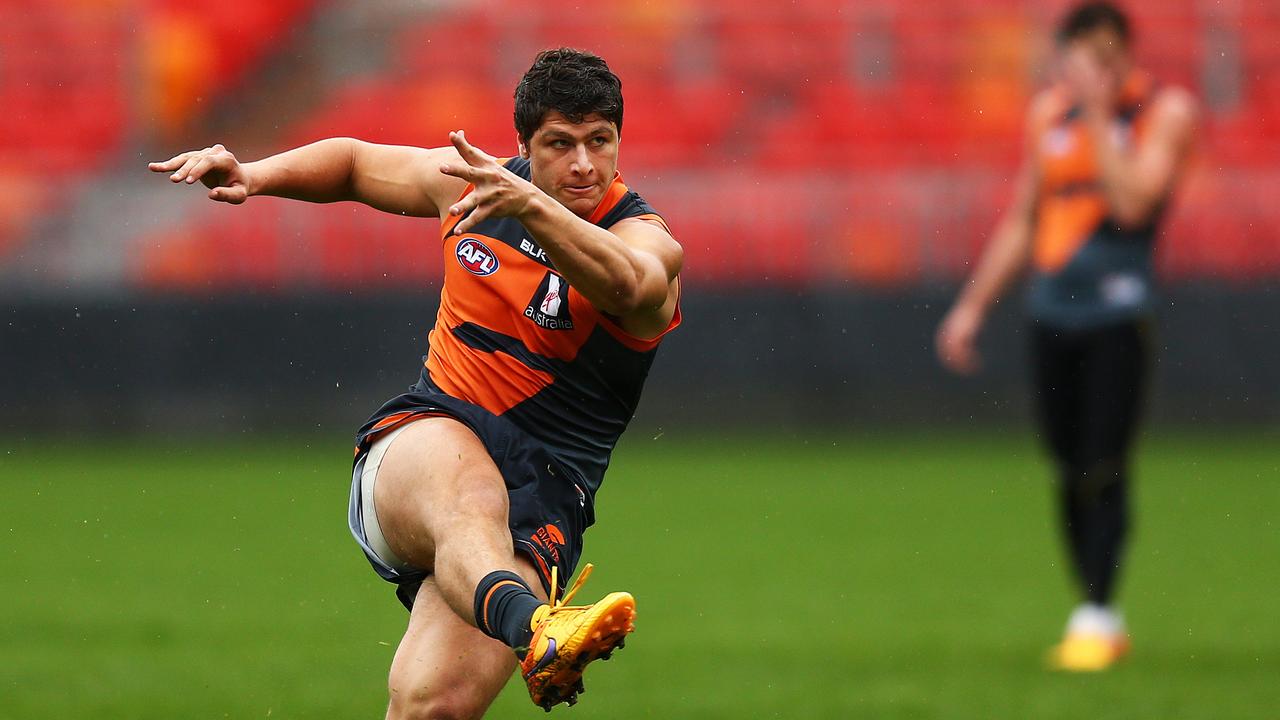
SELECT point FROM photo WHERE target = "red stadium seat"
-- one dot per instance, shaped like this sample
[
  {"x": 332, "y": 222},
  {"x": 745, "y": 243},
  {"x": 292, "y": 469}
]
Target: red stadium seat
[{"x": 727, "y": 107}]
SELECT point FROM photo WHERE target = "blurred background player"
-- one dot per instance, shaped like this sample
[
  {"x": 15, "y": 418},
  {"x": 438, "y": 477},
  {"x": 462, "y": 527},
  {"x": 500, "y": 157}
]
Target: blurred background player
[
  {"x": 1106, "y": 147},
  {"x": 559, "y": 284}
]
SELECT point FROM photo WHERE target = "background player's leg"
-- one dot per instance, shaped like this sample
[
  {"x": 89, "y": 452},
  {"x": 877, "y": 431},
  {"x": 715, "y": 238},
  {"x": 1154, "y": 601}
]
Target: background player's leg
[
  {"x": 1056, "y": 369},
  {"x": 1115, "y": 367},
  {"x": 444, "y": 668},
  {"x": 443, "y": 506}
]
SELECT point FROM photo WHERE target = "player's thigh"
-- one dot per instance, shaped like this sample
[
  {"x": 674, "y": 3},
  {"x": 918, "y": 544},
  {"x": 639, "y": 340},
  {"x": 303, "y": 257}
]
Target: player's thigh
[
  {"x": 1055, "y": 372},
  {"x": 436, "y": 474},
  {"x": 1115, "y": 377},
  {"x": 444, "y": 667}
]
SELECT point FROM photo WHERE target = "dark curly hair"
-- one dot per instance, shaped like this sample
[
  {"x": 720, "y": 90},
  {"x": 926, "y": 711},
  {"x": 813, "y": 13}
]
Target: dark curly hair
[
  {"x": 572, "y": 82},
  {"x": 1090, "y": 16}
]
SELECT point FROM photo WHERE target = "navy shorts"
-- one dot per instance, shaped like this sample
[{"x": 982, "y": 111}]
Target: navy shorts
[{"x": 548, "y": 506}]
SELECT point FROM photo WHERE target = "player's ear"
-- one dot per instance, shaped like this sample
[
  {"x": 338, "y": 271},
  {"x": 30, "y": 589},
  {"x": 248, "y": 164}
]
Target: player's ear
[{"x": 524, "y": 148}]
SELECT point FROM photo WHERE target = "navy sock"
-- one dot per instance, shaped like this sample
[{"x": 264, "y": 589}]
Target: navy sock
[{"x": 504, "y": 606}]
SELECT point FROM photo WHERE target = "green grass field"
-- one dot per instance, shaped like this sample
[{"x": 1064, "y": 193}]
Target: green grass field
[{"x": 894, "y": 576}]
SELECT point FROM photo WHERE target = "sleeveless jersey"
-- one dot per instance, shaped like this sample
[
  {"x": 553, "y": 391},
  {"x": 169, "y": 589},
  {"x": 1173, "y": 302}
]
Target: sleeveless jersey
[
  {"x": 1088, "y": 270},
  {"x": 513, "y": 337}
]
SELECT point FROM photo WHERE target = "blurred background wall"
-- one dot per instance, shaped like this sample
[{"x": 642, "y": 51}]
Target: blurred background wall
[{"x": 832, "y": 168}]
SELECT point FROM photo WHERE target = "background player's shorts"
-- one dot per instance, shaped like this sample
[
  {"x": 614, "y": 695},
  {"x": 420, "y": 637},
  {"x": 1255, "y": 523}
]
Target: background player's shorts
[{"x": 547, "y": 505}]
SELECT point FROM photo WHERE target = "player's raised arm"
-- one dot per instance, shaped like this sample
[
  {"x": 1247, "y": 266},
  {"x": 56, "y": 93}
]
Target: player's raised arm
[
  {"x": 628, "y": 270},
  {"x": 1136, "y": 181},
  {"x": 393, "y": 178}
]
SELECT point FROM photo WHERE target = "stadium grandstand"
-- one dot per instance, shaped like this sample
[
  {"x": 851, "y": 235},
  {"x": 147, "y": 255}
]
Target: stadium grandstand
[
  {"x": 801, "y": 143},
  {"x": 816, "y": 518}
]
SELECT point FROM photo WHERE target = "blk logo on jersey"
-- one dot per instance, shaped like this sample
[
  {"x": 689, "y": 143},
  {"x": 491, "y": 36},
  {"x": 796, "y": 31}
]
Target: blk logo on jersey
[
  {"x": 528, "y": 248},
  {"x": 477, "y": 258},
  {"x": 549, "y": 308}
]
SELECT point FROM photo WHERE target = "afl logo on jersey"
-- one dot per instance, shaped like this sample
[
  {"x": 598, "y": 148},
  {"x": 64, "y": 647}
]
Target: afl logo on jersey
[{"x": 477, "y": 258}]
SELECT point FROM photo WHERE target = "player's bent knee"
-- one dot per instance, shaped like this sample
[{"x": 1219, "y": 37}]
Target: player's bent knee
[{"x": 435, "y": 704}]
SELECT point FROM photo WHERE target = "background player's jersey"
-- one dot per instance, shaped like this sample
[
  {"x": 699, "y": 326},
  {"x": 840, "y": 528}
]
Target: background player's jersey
[
  {"x": 513, "y": 337},
  {"x": 1089, "y": 271}
]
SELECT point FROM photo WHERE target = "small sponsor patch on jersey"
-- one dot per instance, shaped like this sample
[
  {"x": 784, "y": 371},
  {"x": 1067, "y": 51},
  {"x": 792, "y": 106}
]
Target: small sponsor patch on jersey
[
  {"x": 477, "y": 258},
  {"x": 549, "y": 307},
  {"x": 1123, "y": 290},
  {"x": 530, "y": 248}
]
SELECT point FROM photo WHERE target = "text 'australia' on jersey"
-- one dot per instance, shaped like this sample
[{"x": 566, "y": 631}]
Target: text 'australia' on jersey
[{"x": 513, "y": 337}]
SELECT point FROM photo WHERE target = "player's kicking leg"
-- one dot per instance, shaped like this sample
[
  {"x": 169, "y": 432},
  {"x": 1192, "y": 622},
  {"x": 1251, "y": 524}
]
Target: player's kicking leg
[{"x": 442, "y": 505}]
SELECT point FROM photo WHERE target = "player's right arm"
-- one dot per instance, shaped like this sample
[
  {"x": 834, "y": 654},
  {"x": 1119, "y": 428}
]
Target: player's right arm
[
  {"x": 393, "y": 178},
  {"x": 1002, "y": 261}
]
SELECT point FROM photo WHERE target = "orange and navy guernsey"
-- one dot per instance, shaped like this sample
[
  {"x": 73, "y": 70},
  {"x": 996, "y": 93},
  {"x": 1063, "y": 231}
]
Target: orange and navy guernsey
[
  {"x": 1089, "y": 271},
  {"x": 514, "y": 338}
]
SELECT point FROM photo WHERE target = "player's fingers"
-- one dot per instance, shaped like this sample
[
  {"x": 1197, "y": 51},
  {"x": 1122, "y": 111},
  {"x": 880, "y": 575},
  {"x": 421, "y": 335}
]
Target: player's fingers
[
  {"x": 470, "y": 221},
  {"x": 465, "y": 205},
  {"x": 946, "y": 355},
  {"x": 234, "y": 195},
  {"x": 940, "y": 349},
  {"x": 172, "y": 163},
  {"x": 460, "y": 143},
  {"x": 947, "y": 349},
  {"x": 459, "y": 170},
  {"x": 181, "y": 172},
  {"x": 952, "y": 364},
  {"x": 202, "y": 165},
  {"x": 961, "y": 357},
  {"x": 473, "y": 155}
]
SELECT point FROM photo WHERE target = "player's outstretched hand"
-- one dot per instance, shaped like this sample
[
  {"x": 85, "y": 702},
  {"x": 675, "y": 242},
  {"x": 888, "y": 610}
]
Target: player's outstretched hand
[
  {"x": 214, "y": 166},
  {"x": 957, "y": 340},
  {"x": 498, "y": 191}
]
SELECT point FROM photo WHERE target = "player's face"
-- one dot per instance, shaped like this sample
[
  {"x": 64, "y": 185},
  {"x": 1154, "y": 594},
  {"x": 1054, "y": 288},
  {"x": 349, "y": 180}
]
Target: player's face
[
  {"x": 573, "y": 162},
  {"x": 1108, "y": 52}
]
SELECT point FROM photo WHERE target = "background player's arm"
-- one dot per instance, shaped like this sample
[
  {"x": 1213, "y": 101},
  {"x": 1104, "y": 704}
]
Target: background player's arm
[
  {"x": 1137, "y": 182},
  {"x": 1003, "y": 260},
  {"x": 393, "y": 178},
  {"x": 628, "y": 270}
]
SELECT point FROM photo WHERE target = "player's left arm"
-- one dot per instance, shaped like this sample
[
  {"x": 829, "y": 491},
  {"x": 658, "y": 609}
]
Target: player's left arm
[
  {"x": 628, "y": 271},
  {"x": 1137, "y": 181}
]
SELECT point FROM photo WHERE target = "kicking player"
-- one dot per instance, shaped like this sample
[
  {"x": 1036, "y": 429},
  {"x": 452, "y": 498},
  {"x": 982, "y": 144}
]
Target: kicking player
[
  {"x": 1106, "y": 146},
  {"x": 471, "y": 491}
]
